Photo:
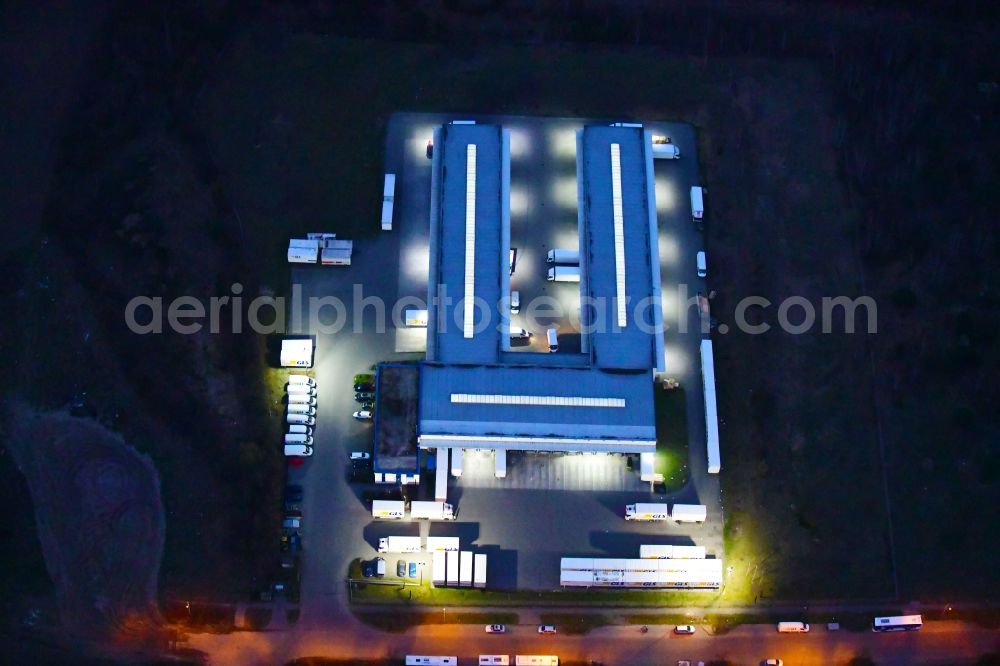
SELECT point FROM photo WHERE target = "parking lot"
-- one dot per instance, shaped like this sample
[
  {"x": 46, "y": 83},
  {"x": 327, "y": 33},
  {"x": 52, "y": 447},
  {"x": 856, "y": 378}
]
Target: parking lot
[{"x": 549, "y": 506}]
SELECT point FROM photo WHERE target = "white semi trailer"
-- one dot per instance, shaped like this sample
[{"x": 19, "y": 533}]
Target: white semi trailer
[
  {"x": 388, "y": 509},
  {"x": 441, "y": 543},
  {"x": 563, "y": 256},
  {"x": 451, "y": 559},
  {"x": 564, "y": 273},
  {"x": 689, "y": 513},
  {"x": 657, "y": 552},
  {"x": 432, "y": 510},
  {"x": 399, "y": 544},
  {"x": 479, "y": 578},
  {"x": 647, "y": 512},
  {"x": 465, "y": 569},
  {"x": 438, "y": 559},
  {"x": 388, "y": 200}
]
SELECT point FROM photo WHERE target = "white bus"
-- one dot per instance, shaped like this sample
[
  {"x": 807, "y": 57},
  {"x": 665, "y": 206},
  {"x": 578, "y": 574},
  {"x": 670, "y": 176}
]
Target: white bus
[
  {"x": 536, "y": 660},
  {"x": 494, "y": 660},
  {"x": 898, "y": 623},
  {"x": 414, "y": 660}
]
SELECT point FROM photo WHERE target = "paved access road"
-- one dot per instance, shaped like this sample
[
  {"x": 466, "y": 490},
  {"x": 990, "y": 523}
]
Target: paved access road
[{"x": 937, "y": 643}]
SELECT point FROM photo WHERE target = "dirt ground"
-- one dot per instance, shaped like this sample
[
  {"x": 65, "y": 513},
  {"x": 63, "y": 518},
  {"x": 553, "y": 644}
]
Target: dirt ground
[{"x": 101, "y": 524}]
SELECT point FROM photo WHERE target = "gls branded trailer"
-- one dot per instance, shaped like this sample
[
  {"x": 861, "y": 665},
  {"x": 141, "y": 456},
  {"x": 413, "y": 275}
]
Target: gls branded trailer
[
  {"x": 388, "y": 509},
  {"x": 648, "y": 511}
]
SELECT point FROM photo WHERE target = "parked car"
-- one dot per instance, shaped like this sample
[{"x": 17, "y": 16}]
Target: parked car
[
  {"x": 413, "y": 570},
  {"x": 360, "y": 455},
  {"x": 496, "y": 629},
  {"x": 363, "y": 415},
  {"x": 684, "y": 629},
  {"x": 368, "y": 569},
  {"x": 293, "y": 493},
  {"x": 361, "y": 396},
  {"x": 291, "y": 542},
  {"x": 295, "y": 512},
  {"x": 291, "y": 522},
  {"x": 401, "y": 568},
  {"x": 546, "y": 629},
  {"x": 364, "y": 387}
]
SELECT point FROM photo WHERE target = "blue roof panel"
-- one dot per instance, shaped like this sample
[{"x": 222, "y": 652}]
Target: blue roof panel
[
  {"x": 451, "y": 344},
  {"x": 613, "y": 346},
  {"x": 439, "y": 415}
]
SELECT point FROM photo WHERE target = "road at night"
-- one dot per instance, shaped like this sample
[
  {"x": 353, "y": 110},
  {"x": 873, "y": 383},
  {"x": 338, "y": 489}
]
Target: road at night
[{"x": 936, "y": 643}]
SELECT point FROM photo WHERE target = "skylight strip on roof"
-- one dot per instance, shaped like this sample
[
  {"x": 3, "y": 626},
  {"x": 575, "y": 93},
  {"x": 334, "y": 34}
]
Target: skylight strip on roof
[
  {"x": 537, "y": 400},
  {"x": 470, "y": 239},
  {"x": 619, "y": 222}
]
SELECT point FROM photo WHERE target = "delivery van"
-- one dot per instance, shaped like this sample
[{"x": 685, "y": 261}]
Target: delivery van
[
  {"x": 553, "y": 338},
  {"x": 302, "y": 419},
  {"x": 298, "y": 450},
  {"x": 299, "y": 408},
  {"x": 300, "y": 429},
  {"x": 298, "y": 438},
  {"x": 301, "y": 379},
  {"x": 701, "y": 263}
]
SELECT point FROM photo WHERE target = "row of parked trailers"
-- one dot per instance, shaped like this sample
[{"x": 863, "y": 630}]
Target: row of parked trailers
[
  {"x": 458, "y": 568},
  {"x": 322, "y": 248},
  {"x": 645, "y": 572},
  {"x": 486, "y": 660},
  {"x": 414, "y": 544}
]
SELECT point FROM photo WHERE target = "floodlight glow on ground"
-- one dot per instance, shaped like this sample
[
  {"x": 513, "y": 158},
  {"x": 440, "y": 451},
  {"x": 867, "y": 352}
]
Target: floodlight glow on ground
[
  {"x": 519, "y": 199},
  {"x": 562, "y": 142},
  {"x": 564, "y": 191},
  {"x": 416, "y": 261},
  {"x": 568, "y": 239},
  {"x": 670, "y": 306},
  {"x": 669, "y": 248},
  {"x": 520, "y": 143},
  {"x": 675, "y": 360},
  {"x": 666, "y": 195},
  {"x": 417, "y": 143}
]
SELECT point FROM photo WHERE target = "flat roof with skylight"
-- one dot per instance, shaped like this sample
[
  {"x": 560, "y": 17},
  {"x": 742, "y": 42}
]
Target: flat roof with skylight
[{"x": 474, "y": 393}]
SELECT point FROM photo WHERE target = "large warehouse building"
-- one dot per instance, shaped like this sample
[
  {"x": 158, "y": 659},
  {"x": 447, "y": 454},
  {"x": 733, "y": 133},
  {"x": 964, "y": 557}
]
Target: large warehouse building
[{"x": 475, "y": 393}]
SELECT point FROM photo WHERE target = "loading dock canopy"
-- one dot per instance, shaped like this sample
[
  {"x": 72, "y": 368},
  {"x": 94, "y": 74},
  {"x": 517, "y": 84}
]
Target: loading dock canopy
[{"x": 615, "y": 415}]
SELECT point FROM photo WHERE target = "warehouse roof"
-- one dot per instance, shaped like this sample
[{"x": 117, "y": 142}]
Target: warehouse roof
[
  {"x": 472, "y": 392},
  {"x": 467, "y": 232},
  {"x": 619, "y": 242}
]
